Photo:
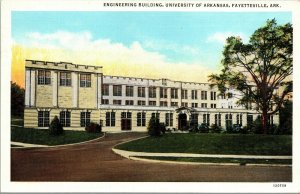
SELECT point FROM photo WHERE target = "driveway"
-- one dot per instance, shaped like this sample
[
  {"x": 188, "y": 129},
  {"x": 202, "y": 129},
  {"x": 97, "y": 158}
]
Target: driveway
[{"x": 95, "y": 161}]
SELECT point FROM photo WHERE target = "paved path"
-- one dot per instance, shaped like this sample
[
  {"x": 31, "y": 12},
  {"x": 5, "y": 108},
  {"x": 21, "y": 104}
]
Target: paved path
[{"x": 95, "y": 161}]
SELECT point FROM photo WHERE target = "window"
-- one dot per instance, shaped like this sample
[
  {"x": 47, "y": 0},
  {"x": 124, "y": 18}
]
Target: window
[
  {"x": 223, "y": 96},
  {"x": 228, "y": 120},
  {"x": 174, "y": 104},
  {"x": 141, "y": 91},
  {"x": 44, "y": 77},
  {"x": 141, "y": 119},
  {"x": 85, "y": 119},
  {"x": 152, "y": 92},
  {"x": 129, "y": 90},
  {"x": 213, "y": 95},
  {"x": 218, "y": 119},
  {"x": 117, "y": 102},
  {"x": 126, "y": 115},
  {"x": 184, "y": 94},
  {"x": 43, "y": 118},
  {"x": 129, "y": 102},
  {"x": 203, "y": 95},
  {"x": 163, "y": 103},
  {"x": 239, "y": 119},
  {"x": 213, "y": 105},
  {"x": 65, "y": 79},
  {"x": 105, "y": 89},
  {"x": 194, "y": 119},
  {"x": 65, "y": 118},
  {"x": 206, "y": 119},
  {"x": 169, "y": 119},
  {"x": 110, "y": 119},
  {"x": 194, "y": 94},
  {"x": 249, "y": 119},
  {"x": 163, "y": 93},
  {"x": 195, "y": 105},
  {"x": 141, "y": 103},
  {"x": 85, "y": 80},
  {"x": 174, "y": 93},
  {"x": 230, "y": 95},
  {"x": 203, "y": 105},
  {"x": 117, "y": 90},
  {"x": 105, "y": 101},
  {"x": 184, "y": 104},
  {"x": 152, "y": 103},
  {"x": 155, "y": 115}
]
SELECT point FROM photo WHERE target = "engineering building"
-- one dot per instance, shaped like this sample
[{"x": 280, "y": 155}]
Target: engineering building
[{"x": 80, "y": 94}]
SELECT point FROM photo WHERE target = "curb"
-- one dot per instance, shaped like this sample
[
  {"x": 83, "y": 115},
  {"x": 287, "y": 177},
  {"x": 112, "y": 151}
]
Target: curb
[{"x": 56, "y": 146}]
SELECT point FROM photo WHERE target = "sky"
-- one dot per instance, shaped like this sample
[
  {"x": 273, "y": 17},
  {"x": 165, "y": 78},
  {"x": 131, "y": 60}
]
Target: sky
[{"x": 184, "y": 46}]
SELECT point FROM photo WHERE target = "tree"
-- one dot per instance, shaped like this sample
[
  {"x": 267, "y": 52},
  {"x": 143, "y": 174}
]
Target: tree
[
  {"x": 286, "y": 117},
  {"x": 17, "y": 100},
  {"x": 260, "y": 68},
  {"x": 154, "y": 128},
  {"x": 55, "y": 127}
]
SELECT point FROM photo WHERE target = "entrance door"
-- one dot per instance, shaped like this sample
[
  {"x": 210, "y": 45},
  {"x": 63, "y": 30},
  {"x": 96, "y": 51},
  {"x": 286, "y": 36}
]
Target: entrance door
[
  {"x": 182, "y": 121},
  {"x": 126, "y": 121}
]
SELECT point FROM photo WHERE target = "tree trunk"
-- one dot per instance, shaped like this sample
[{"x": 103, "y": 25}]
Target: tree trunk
[{"x": 264, "y": 121}]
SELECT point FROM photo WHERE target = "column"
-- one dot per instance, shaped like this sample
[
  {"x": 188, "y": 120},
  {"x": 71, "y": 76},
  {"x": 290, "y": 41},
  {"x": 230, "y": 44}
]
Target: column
[
  {"x": 99, "y": 89},
  {"x": 147, "y": 95},
  {"x": 75, "y": 89},
  {"x": 27, "y": 86},
  {"x": 54, "y": 75},
  {"x": 157, "y": 96},
  {"x": 32, "y": 88},
  {"x": 169, "y": 97}
]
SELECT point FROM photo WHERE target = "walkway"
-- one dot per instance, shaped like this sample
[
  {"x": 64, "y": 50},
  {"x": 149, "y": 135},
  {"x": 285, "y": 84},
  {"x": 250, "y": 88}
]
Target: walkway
[{"x": 95, "y": 161}]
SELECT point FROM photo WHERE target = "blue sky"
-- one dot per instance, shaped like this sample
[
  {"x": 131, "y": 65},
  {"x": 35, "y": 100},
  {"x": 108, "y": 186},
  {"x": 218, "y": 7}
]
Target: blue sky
[{"x": 179, "y": 37}]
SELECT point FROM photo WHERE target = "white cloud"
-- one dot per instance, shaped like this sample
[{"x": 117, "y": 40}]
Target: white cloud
[{"x": 220, "y": 37}]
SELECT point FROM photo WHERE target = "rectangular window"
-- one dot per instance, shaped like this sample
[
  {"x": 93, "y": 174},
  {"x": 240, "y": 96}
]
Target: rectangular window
[
  {"x": 126, "y": 115},
  {"x": 141, "y": 91},
  {"x": 141, "y": 102},
  {"x": 213, "y": 105},
  {"x": 228, "y": 120},
  {"x": 239, "y": 119},
  {"x": 141, "y": 119},
  {"x": 169, "y": 119},
  {"x": 44, "y": 77},
  {"x": 105, "y": 90},
  {"x": 163, "y": 93},
  {"x": 203, "y": 95},
  {"x": 105, "y": 101},
  {"x": 155, "y": 115},
  {"x": 163, "y": 103},
  {"x": 85, "y": 80},
  {"x": 110, "y": 119},
  {"x": 152, "y": 92},
  {"x": 184, "y": 94},
  {"x": 230, "y": 95},
  {"x": 195, "y": 105},
  {"x": 203, "y": 105},
  {"x": 65, "y": 79},
  {"x": 194, "y": 119},
  {"x": 117, "y": 102},
  {"x": 85, "y": 119},
  {"x": 184, "y": 104},
  {"x": 249, "y": 119},
  {"x": 129, "y": 90},
  {"x": 194, "y": 94},
  {"x": 152, "y": 103},
  {"x": 117, "y": 90},
  {"x": 218, "y": 120},
  {"x": 174, "y": 93},
  {"x": 129, "y": 102},
  {"x": 43, "y": 118},
  {"x": 65, "y": 118},
  {"x": 213, "y": 95},
  {"x": 206, "y": 119},
  {"x": 175, "y": 104}
]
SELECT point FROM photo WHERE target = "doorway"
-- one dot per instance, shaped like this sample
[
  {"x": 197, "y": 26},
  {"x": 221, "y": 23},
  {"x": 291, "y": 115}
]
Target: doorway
[
  {"x": 126, "y": 121},
  {"x": 182, "y": 121}
]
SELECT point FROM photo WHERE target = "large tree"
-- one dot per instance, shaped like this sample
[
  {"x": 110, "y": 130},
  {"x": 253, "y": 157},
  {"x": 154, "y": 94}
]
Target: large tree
[
  {"x": 260, "y": 69},
  {"x": 17, "y": 100}
]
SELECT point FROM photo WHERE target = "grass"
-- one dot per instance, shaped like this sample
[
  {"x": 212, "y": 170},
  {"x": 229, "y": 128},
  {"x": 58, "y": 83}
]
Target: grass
[
  {"x": 42, "y": 137},
  {"x": 221, "y": 160},
  {"x": 208, "y": 143}
]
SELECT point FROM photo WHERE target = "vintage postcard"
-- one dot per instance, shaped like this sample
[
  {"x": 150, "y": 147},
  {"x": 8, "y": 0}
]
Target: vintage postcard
[{"x": 150, "y": 96}]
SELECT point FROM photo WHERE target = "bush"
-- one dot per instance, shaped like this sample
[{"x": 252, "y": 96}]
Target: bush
[
  {"x": 215, "y": 129},
  {"x": 55, "y": 127},
  {"x": 93, "y": 128},
  {"x": 162, "y": 127},
  {"x": 204, "y": 128},
  {"x": 154, "y": 127}
]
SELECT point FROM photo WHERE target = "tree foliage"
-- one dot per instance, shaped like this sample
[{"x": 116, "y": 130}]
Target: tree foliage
[
  {"x": 55, "y": 127},
  {"x": 17, "y": 100},
  {"x": 154, "y": 127},
  {"x": 259, "y": 68},
  {"x": 286, "y": 118}
]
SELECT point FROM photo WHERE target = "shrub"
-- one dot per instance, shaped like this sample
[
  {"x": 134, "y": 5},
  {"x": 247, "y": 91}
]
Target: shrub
[
  {"x": 154, "y": 128},
  {"x": 204, "y": 128},
  {"x": 215, "y": 129},
  {"x": 55, "y": 127},
  {"x": 93, "y": 128},
  {"x": 162, "y": 127}
]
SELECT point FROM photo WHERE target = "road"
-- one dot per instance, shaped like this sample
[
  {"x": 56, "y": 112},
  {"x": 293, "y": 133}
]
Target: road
[{"x": 95, "y": 161}]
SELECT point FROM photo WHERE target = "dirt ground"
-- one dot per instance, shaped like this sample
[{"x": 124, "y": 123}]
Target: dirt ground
[{"x": 95, "y": 161}]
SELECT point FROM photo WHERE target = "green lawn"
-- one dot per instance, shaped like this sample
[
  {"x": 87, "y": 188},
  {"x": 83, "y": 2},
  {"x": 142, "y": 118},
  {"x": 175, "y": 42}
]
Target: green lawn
[
  {"x": 219, "y": 160},
  {"x": 42, "y": 137},
  {"x": 202, "y": 143}
]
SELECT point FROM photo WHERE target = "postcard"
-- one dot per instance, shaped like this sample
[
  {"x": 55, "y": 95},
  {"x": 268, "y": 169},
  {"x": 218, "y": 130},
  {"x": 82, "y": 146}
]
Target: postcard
[{"x": 150, "y": 96}]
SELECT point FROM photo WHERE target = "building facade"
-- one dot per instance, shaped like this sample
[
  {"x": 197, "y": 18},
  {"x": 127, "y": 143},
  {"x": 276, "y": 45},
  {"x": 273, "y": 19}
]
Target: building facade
[{"x": 80, "y": 94}]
